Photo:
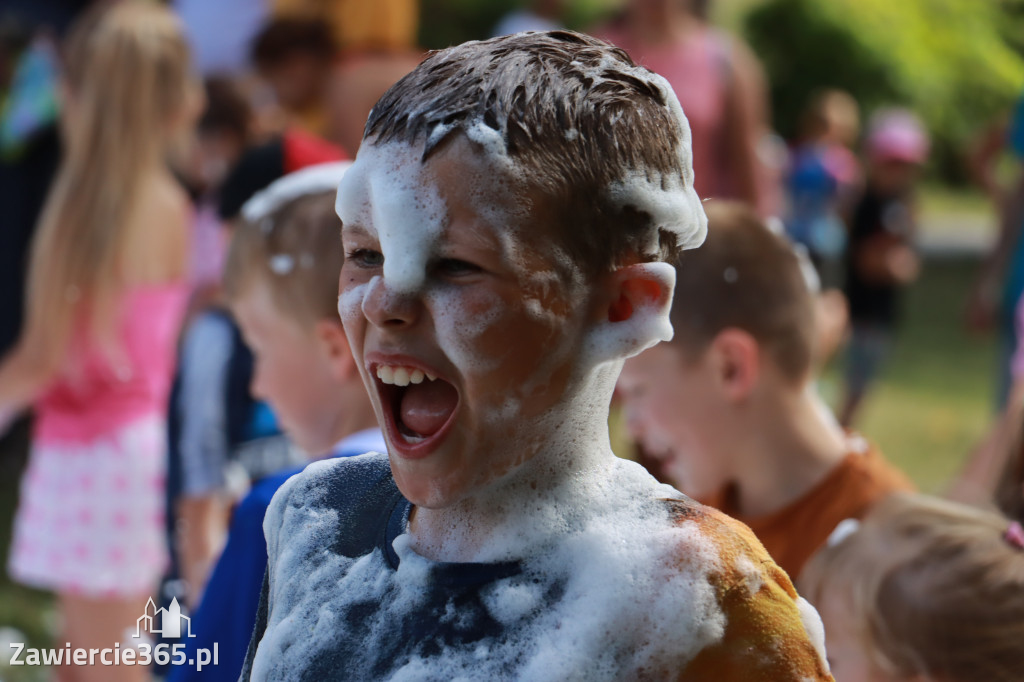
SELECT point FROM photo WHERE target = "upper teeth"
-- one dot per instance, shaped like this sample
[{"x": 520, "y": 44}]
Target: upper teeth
[{"x": 402, "y": 376}]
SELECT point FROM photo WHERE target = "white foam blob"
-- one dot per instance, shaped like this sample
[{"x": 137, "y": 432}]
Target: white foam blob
[
  {"x": 323, "y": 177},
  {"x": 814, "y": 628},
  {"x": 282, "y": 263},
  {"x": 385, "y": 193}
]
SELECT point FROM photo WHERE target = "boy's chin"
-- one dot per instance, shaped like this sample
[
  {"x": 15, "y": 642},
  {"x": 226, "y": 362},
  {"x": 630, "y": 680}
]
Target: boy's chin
[
  {"x": 421, "y": 486},
  {"x": 432, "y": 485}
]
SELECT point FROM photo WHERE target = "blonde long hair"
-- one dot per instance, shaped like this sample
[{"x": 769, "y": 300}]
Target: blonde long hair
[{"x": 128, "y": 76}]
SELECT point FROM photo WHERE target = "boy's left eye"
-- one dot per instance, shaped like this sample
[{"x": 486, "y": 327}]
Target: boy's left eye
[
  {"x": 453, "y": 267},
  {"x": 365, "y": 258}
]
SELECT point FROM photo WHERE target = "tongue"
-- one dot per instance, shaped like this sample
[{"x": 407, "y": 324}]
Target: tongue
[{"x": 426, "y": 407}]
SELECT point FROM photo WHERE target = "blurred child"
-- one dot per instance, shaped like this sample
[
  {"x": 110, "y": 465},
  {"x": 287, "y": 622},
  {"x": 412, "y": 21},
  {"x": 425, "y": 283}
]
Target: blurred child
[
  {"x": 921, "y": 590},
  {"x": 824, "y": 177},
  {"x": 824, "y": 173},
  {"x": 304, "y": 369},
  {"x": 204, "y": 408},
  {"x": 223, "y": 134},
  {"x": 215, "y": 420},
  {"x": 721, "y": 86},
  {"x": 729, "y": 406},
  {"x": 295, "y": 56},
  {"x": 497, "y": 270},
  {"x": 328, "y": 89},
  {"x": 383, "y": 25},
  {"x": 880, "y": 258},
  {"x": 107, "y": 292}
]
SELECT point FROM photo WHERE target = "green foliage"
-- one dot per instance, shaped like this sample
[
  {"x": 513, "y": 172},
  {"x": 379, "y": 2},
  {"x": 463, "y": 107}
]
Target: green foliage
[{"x": 953, "y": 61}]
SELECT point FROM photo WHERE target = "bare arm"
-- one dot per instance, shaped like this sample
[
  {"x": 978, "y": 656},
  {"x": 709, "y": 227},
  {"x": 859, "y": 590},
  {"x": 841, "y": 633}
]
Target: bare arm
[
  {"x": 979, "y": 478},
  {"x": 1009, "y": 204},
  {"x": 983, "y": 156},
  {"x": 984, "y": 297},
  {"x": 23, "y": 375}
]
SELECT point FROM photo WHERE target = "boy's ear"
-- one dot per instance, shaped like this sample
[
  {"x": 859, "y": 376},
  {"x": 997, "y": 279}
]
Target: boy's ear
[
  {"x": 736, "y": 362},
  {"x": 634, "y": 314},
  {"x": 332, "y": 335}
]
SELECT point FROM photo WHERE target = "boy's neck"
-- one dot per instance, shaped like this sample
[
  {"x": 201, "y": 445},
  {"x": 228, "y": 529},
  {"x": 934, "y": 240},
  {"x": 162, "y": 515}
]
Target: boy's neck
[
  {"x": 511, "y": 520},
  {"x": 787, "y": 448}
]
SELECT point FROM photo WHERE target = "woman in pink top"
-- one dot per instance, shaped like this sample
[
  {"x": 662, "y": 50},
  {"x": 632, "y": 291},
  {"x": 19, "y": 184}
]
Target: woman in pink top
[
  {"x": 720, "y": 86},
  {"x": 106, "y": 296}
]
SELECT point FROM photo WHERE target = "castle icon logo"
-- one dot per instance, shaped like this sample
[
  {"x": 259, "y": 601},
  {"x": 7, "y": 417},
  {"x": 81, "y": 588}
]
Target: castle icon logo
[{"x": 170, "y": 620}]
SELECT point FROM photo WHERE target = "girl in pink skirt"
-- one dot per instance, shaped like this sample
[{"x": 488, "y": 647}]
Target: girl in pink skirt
[{"x": 106, "y": 295}]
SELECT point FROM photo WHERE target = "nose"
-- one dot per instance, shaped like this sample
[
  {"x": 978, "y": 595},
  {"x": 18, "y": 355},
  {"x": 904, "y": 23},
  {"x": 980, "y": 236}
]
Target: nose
[{"x": 384, "y": 306}]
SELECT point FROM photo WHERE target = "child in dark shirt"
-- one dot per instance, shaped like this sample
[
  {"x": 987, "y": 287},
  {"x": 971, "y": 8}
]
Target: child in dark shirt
[
  {"x": 880, "y": 258},
  {"x": 505, "y": 227}
]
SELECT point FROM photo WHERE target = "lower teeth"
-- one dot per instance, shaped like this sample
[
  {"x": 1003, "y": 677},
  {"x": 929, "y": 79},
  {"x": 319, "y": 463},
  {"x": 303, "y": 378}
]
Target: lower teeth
[{"x": 409, "y": 435}]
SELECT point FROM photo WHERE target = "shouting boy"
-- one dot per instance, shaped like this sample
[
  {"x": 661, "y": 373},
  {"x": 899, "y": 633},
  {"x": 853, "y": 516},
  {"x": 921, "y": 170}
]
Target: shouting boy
[{"x": 505, "y": 225}]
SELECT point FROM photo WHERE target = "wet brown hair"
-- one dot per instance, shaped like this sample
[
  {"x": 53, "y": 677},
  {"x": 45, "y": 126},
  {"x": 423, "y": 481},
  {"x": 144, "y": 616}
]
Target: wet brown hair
[
  {"x": 575, "y": 115},
  {"x": 295, "y": 252},
  {"x": 934, "y": 587},
  {"x": 745, "y": 277}
]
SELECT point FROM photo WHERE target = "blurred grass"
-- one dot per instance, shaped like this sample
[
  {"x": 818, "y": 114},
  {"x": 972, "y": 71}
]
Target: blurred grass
[
  {"x": 934, "y": 399},
  {"x": 943, "y": 199}
]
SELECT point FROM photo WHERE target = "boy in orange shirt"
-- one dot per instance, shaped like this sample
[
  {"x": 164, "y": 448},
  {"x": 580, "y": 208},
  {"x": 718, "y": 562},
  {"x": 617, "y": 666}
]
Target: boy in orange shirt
[
  {"x": 504, "y": 226},
  {"x": 728, "y": 409}
]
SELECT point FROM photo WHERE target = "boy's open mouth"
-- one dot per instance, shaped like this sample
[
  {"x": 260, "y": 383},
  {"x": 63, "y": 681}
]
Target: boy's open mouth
[{"x": 418, "y": 407}]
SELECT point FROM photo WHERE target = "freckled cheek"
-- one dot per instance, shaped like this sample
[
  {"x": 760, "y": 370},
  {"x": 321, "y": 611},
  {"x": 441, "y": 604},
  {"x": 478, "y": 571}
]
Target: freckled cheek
[{"x": 528, "y": 369}]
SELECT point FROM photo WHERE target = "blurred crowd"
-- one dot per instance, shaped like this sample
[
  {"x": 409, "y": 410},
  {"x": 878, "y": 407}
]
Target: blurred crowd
[{"x": 137, "y": 142}]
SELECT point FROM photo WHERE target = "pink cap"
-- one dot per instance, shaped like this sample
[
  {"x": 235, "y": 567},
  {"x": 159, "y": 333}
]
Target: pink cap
[{"x": 897, "y": 135}]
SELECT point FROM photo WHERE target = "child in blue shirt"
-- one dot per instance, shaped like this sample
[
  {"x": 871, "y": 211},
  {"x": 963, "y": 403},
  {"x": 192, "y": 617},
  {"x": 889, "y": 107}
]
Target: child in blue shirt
[{"x": 281, "y": 280}]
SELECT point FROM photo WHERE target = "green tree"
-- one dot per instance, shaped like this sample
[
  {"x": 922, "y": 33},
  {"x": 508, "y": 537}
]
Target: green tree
[{"x": 952, "y": 61}]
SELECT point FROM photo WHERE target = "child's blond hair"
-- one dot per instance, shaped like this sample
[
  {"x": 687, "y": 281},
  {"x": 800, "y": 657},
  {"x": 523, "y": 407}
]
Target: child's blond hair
[
  {"x": 933, "y": 588},
  {"x": 745, "y": 276},
  {"x": 295, "y": 251},
  {"x": 129, "y": 75}
]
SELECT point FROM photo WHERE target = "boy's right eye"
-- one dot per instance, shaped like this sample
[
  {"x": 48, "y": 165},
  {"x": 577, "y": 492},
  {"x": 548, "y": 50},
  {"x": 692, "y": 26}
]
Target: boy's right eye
[{"x": 365, "y": 258}]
